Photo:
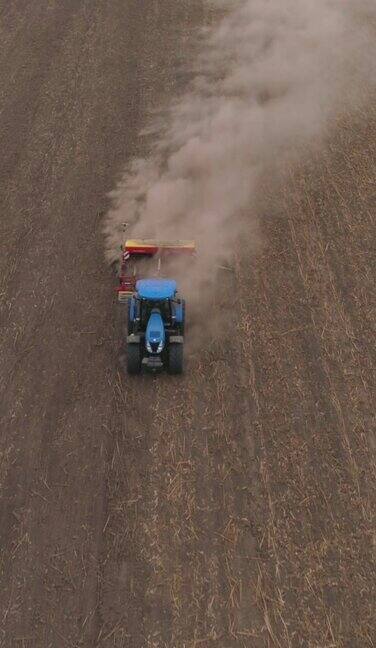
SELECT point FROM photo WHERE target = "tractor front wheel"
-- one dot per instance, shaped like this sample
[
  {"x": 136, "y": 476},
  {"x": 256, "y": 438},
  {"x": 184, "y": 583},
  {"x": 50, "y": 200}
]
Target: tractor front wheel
[
  {"x": 133, "y": 358},
  {"x": 175, "y": 359}
]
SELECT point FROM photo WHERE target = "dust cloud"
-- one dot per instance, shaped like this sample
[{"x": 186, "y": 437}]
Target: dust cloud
[{"x": 271, "y": 78}]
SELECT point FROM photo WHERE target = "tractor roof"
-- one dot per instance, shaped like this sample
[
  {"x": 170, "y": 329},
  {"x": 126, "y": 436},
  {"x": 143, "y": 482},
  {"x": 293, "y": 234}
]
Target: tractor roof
[{"x": 155, "y": 289}]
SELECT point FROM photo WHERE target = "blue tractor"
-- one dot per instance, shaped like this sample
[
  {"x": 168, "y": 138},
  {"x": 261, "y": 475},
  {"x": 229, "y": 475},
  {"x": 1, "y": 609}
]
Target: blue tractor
[{"x": 155, "y": 327}]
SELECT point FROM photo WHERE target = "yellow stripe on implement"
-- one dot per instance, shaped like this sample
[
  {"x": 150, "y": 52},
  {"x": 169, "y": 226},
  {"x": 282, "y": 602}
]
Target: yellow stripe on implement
[{"x": 154, "y": 243}]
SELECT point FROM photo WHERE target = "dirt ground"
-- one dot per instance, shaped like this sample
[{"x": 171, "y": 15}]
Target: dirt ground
[{"x": 234, "y": 506}]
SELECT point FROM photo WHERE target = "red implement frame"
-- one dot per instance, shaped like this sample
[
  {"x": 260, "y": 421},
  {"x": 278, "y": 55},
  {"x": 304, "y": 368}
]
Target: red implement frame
[{"x": 134, "y": 250}]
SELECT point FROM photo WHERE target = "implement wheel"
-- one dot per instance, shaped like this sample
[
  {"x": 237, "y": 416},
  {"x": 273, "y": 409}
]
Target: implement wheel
[
  {"x": 175, "y": 358},
  {"x": 133, "y": 358}
]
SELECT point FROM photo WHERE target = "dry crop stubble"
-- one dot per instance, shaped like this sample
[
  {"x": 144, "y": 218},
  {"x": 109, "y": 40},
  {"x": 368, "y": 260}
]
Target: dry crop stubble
[
  {"x": 272, "y": 521},
  {"x": 311, "y": 360},
  {"x": 297, "y": 472}
]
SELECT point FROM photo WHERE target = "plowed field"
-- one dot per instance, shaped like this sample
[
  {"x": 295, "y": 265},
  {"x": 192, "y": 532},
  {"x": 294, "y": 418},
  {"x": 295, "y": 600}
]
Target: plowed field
[{"x": 231, "y": 507}]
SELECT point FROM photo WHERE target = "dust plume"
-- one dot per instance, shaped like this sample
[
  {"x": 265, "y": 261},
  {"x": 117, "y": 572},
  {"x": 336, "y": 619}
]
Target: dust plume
[{"x": 271, "y": 78}]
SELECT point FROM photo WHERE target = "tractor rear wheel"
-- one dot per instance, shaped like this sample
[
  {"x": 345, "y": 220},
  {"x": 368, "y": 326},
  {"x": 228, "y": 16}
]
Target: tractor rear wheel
[
  {"x": 182, "y": 325},
  {"x": 130, "y": 324},
  {"x": 133, "y": 358},
  {"x": 175, "y": 359}
]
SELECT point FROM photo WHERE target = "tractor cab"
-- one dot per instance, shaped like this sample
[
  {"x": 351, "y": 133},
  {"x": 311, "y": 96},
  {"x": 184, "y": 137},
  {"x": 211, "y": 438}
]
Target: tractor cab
[
  {"x": 155, "y": 326},
  {"x": 156, "y": 294}
]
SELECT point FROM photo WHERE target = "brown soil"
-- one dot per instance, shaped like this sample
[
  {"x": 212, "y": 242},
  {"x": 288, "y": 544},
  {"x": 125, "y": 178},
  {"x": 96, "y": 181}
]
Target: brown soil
[{"x": 231, "y": 507}]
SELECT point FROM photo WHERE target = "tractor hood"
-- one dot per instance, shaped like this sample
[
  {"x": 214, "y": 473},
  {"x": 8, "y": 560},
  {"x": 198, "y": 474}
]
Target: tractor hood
[{"x": 155, "y": 333}]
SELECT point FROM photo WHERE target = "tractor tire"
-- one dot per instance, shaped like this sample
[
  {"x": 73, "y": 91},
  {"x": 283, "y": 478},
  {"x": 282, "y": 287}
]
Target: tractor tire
[
  {"x": 175, "y": 359},
  {"x": 182, "y": 325},
  {"x": 133, "y": 359},
  {"x": 130, "y": 324}
]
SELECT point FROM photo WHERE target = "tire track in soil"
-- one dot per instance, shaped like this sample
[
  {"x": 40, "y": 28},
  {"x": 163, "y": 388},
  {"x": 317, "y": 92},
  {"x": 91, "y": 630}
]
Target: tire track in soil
[{"x": 186, "y": 557}]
